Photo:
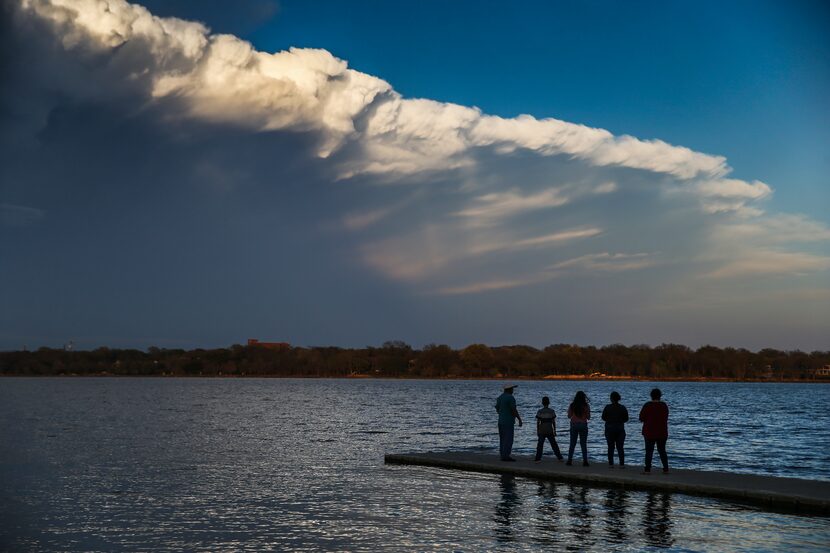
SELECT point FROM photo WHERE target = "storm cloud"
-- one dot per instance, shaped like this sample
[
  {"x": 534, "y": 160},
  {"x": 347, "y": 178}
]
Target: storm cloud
[{"x": 284, "y": 193}]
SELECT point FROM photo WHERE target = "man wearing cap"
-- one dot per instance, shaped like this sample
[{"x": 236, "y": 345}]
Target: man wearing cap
[{"x": 506, "y": 408}]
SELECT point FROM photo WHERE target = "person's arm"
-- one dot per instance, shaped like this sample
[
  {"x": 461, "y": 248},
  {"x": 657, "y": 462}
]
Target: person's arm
[
  {"x": 605, "y": 413},
  {"x": 588, "y": 412},
  {"x": 513, "y": 409},
  {"x": 625, "y": 414},
  {"x": 642, "y": 411},
  {"x": 516, "y": 414}
]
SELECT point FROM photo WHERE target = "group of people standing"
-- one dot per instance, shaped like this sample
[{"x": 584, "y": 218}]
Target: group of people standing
[{"x": 654, "y": 415}]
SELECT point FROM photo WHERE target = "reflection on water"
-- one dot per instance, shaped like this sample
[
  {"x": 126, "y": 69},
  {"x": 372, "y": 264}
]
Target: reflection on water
[
  {"x": 506, "y": 508},
  {"x": 547, "y": 513},
  {"x": 569, "y": 515},
  {"x": 615, "y": 515},
  {"x": 657, "y": 521},
  {"x": 297, "y": 465},
  {"x": 581, "y": 517}
]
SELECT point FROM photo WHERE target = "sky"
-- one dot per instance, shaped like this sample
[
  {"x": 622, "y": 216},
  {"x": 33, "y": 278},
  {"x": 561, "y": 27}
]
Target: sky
[{"x": 196, "y": 173}]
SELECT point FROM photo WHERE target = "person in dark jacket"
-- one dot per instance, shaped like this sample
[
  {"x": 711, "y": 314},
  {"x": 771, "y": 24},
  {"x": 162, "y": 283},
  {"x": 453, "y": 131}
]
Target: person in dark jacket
[
  {"x": 655, "y": 418},
  {"x": 615, "y": 416},
  {"x": 546, "y": 430}
]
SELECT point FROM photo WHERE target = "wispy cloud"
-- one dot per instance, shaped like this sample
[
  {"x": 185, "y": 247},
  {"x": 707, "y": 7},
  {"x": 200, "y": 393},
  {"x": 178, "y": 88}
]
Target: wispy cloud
[
  {"x": 770, "y": 262},
  {"x": 774, "y": 229},
  {"x": 19, "y": 216},
  {"x": 596, "y": 263},
  {"x": 357, "y": 221},
  {"x": 556, "y": 237},
  {"x": 607, "y": 262},
  {"x": 492, "y": 285},
  {"x": 758, "y": 246},
  {"x": 606, "y": 188},
  {"x": 498, "y": 205},
  {"x": 425, "y": 254}
]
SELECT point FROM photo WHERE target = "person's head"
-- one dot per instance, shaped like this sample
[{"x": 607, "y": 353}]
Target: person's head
[
  {"x": 546, "y": 401},
  {"x": 615, "y": 397},
  {"x": 508, "y": 389},
  {"x": 580, "y": 398},
  {"x": 656, "y": 394}
]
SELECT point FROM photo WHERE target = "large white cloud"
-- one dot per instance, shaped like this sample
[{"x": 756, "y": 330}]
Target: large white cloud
[
  {"x": 517, "y": 185},
  {"x": 223, "y": 78}
]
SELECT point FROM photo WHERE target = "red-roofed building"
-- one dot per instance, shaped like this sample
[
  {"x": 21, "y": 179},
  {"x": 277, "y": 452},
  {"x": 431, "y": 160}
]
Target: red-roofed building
[{"x": 278, "y": 346}]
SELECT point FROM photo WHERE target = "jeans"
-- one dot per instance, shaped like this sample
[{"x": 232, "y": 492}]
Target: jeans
[
  {"x": 661, "y": 449},
  {"x": 541, "y": 444},
  {"x": 505, "y": 439},
  {"x": 579, "y": 429},
  {"x": 615, "y": 436}
]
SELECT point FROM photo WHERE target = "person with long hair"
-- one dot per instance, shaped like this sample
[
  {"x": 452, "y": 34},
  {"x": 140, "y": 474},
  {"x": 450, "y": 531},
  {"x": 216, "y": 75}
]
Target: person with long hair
[
  {"x": 655, "y": 418},
  {"x": 579, "y": 412},
  {"x": 615, "y": 416}
]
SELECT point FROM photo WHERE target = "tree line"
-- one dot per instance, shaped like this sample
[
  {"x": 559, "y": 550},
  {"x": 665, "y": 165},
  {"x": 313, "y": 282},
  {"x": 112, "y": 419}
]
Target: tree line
[{"x": 397, "y": 359}]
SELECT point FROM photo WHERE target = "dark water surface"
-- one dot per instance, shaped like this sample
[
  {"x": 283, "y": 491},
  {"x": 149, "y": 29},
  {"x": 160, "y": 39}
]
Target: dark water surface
[{"x": 103, "y": 464}]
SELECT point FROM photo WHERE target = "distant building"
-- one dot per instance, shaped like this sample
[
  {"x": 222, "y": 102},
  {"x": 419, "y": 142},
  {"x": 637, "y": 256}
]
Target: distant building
[
  {"x": 767, "y": 372},
  {"x": 277, "y": 346},
  {"x": 823, "y": 371}
]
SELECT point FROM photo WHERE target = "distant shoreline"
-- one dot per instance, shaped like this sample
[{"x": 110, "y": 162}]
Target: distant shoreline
[
  {"x": 549, "y": 378},
  {"x": 557, "y": 362}
]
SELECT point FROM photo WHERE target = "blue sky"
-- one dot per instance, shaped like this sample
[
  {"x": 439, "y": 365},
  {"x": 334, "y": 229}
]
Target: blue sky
[{"x": 165, "y": 185}]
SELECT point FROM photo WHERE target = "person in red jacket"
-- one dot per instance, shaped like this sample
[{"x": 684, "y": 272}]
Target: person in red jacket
[{"x": 655, "y": 418}]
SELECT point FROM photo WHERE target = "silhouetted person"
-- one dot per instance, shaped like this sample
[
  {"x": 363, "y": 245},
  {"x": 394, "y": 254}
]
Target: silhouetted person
[
  {"x": 655, "y": 418},
  {"x": 546, "y": 430},
  {"x": 615, "y": 416},
  {"x": 579, "y": 412},
  {"x": 506, "y": 408}
]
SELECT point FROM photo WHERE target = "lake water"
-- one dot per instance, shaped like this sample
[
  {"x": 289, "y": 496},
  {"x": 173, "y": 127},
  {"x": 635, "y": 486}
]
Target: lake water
[{"x": 104, "y": 464}]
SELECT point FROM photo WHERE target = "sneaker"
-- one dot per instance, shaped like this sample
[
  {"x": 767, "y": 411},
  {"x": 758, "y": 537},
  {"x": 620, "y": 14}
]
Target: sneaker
[
  {"x": 511, "y": 459},
  {"x": 646, "y": 471},
  {"x": 560, "y": 459},
  {"x": 569, "y": 463},
  {"x": 537, "y": 460},
  {"x": 585, "y": 464},
  {"x": 665, "y": 471}
]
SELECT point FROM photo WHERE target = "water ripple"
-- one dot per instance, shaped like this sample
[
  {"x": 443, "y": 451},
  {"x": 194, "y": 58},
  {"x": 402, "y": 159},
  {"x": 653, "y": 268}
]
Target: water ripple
[{"x": 251, "y": 465}]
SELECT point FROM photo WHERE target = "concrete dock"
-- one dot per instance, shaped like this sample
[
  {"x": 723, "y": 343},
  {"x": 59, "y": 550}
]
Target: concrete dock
[{"x": 808, "y": 496}]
